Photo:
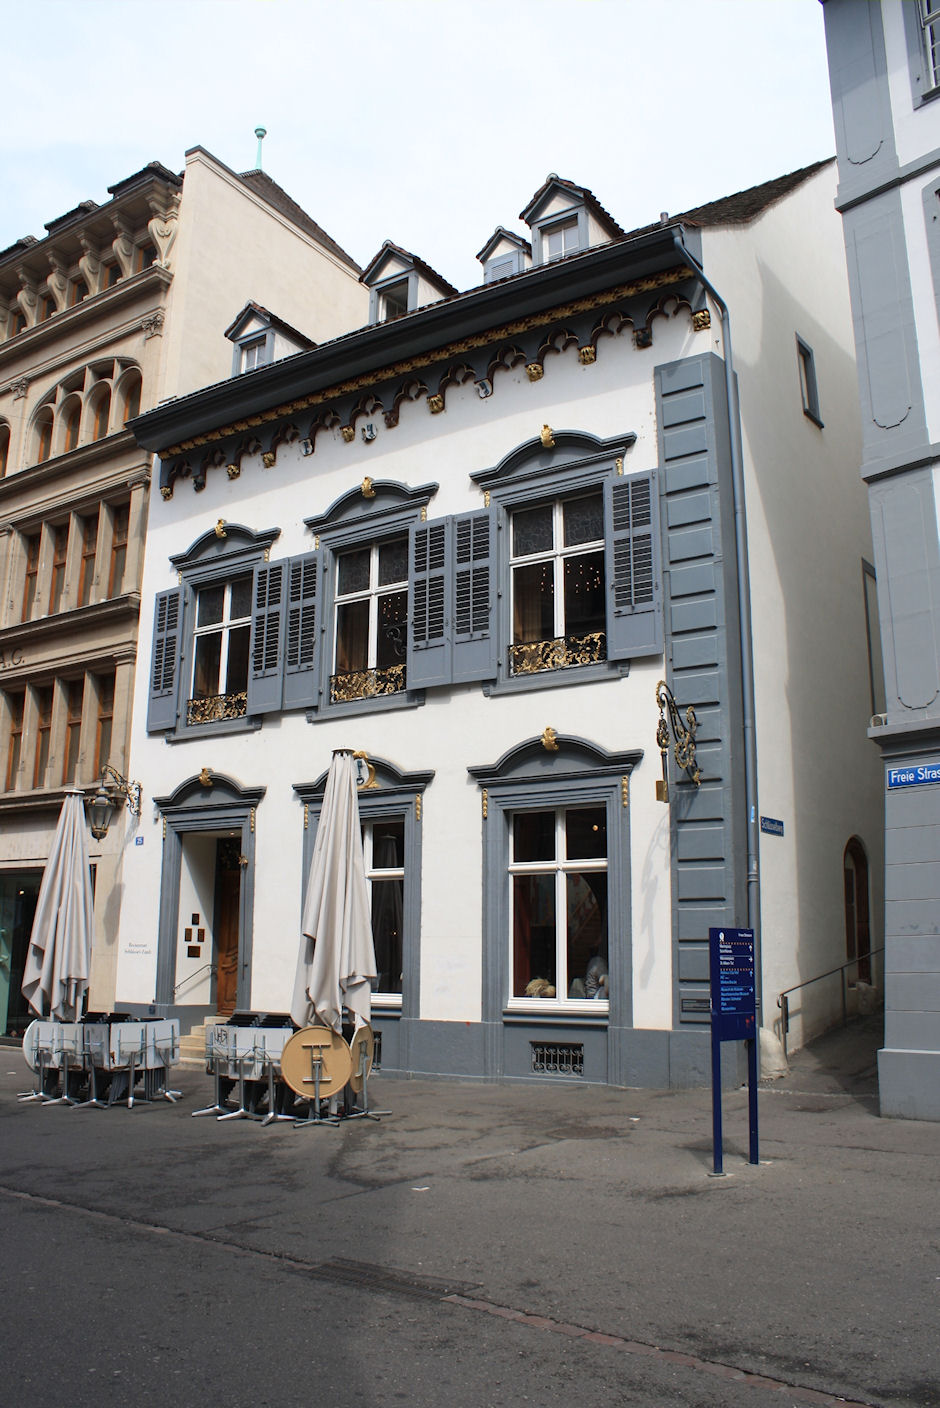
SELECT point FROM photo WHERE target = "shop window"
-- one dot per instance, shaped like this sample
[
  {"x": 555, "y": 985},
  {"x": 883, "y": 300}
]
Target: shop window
[
  {"x": 556, "y": 882},
  {"x": 371, "y": 600},
  {"x": 558, "y": 874}
]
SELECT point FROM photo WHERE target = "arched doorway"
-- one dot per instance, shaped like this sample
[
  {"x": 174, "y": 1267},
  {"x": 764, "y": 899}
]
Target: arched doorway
[{"x": 857, "y": 927}]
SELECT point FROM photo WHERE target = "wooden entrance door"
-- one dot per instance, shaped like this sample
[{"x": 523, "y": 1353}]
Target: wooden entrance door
[{"x": 227, "y": 907}]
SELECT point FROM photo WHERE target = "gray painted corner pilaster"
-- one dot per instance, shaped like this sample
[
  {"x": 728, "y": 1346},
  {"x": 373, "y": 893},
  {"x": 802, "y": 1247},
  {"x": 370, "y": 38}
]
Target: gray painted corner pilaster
[{"x": 703, "y": 668}]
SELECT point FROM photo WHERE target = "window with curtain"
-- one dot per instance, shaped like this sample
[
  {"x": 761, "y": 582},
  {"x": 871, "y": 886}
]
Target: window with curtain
[
  {"x": 220, "y": 646},
  {"x": 371, "y": 606},
  {"x": 559, "y": 598},
  {"x": 558, "y": 876}
]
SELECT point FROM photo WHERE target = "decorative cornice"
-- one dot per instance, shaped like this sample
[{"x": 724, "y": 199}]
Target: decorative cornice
[{"x": 666, "y": 278}]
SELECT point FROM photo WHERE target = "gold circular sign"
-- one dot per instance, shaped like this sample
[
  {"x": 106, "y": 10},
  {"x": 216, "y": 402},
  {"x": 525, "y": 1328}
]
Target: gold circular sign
[
  {"x": 310, "y": 1049},
  {"x": 362, "y": 1037}
]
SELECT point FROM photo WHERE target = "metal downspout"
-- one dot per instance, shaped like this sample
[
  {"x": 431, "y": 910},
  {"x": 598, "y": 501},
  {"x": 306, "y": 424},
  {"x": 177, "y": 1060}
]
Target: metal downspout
[{"x": 744, "y": 619}]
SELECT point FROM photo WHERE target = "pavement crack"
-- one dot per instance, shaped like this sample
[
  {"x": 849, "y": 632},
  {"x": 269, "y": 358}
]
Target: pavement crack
[{"x": 392, "y": 1281}]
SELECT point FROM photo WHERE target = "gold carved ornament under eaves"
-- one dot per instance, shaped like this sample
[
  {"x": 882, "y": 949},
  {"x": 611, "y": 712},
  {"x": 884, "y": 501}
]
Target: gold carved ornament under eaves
[{"x": 665, "y": 279}]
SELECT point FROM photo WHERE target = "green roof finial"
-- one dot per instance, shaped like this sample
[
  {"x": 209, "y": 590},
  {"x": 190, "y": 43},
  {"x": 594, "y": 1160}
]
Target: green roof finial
[{"x": 260, "y": 133}]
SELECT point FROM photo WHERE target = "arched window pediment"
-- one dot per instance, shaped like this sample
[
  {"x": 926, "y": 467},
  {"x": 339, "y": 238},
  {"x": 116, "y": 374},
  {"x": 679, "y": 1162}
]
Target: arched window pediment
[
  {"x": 221, "y": 790},
  {"x": 570, "y": 448},
  {"x": 370, "y": 502},
  {"x": 556, "y": 755},
  {"x": 237, "y": 538}
]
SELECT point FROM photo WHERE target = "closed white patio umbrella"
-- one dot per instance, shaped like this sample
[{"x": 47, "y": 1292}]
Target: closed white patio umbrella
[
  {"x": 55, "y": 978},
  {"x": 336, "y": 963}
]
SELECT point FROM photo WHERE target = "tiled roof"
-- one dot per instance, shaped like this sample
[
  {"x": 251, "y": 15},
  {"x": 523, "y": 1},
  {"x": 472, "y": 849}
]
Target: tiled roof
[
  {"x": 580, "y": 192},
  {"x": 744, "y": 206},
  {"x": 430, "y": 274}
]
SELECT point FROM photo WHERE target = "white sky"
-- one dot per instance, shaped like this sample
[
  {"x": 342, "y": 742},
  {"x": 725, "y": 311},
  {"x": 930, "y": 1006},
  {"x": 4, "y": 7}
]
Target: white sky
[{"x": 427, "y": 122}]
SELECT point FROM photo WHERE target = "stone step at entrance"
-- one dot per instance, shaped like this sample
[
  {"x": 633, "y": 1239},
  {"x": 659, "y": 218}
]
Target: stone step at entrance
[{"x": 193, "y": 1044}]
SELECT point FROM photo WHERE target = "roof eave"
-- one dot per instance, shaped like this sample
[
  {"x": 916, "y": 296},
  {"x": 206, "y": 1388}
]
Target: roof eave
[{"x": 377, "y": 346}]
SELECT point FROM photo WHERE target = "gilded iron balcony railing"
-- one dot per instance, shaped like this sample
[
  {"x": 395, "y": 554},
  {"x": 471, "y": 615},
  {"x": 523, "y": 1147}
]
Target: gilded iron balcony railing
[
  {"x": 557, "y": 654},
  {"x": 217, "y": 707},
  {"x": 366, "y": 684}
]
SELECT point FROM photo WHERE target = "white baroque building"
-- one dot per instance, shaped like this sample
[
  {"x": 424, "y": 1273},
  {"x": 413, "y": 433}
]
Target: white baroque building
[{"x": 467, "y": 540}]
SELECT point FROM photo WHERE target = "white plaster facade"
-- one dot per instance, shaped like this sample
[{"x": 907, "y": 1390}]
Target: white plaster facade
[{"x": 807, "y": 533}]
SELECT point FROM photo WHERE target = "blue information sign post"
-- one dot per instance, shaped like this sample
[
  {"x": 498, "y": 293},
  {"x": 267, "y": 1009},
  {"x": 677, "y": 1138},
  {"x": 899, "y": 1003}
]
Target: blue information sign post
[{"x": 734, "y": 1018}]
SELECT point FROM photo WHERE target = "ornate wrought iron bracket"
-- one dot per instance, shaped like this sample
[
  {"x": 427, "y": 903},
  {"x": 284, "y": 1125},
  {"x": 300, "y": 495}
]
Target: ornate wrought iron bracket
[{"x": 683, "y": 739}]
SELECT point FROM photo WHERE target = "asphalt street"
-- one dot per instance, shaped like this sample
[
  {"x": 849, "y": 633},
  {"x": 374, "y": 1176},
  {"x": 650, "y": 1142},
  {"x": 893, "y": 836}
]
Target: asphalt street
[{"x": 481, "y": 1246}]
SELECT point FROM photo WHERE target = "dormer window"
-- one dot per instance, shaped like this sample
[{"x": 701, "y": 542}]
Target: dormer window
[
  {"x": 253, "y": 354},
  {"x": 393, "y": 301},
  {"x": 566, "y": 219},
  {"x": 399, "y": 282},
  {"x": 261, "y": 338},
  {"x": 558, "y": 241},
  {"x": 503, "y": 255}
]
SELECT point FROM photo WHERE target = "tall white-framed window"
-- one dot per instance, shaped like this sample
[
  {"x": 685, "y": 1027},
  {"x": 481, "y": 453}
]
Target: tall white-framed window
[
  {"x": 558, "y": 241},
  {"x": 559, "y": 598},
  {"x": 253, "y": 353},
  {"x": 220, "y": 644},
  {"x": 383, "y": 843},
  {"x": 558, "y": 905},
  {"x": 371, "y": 619},
  {"x": 930, "y": 24}
]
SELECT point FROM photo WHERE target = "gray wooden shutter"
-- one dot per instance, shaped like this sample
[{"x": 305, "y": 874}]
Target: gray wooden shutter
[
  {"x": 429, "y": 639},
  {"x": 634, "y": 614},
  {"x": 267, "y": 637},
  {"x": 474, "y": 587},
  {"x": 302, "y": 652},
  {"x": 162, "y": 704}
]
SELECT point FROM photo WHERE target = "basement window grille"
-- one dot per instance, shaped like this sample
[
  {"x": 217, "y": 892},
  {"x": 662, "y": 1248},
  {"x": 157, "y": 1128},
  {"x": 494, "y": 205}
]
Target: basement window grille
[{"x": 557, "y": 1058}]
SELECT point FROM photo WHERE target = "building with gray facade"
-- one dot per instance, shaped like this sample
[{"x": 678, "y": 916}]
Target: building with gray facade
[{"x": 884, "y": 66}]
